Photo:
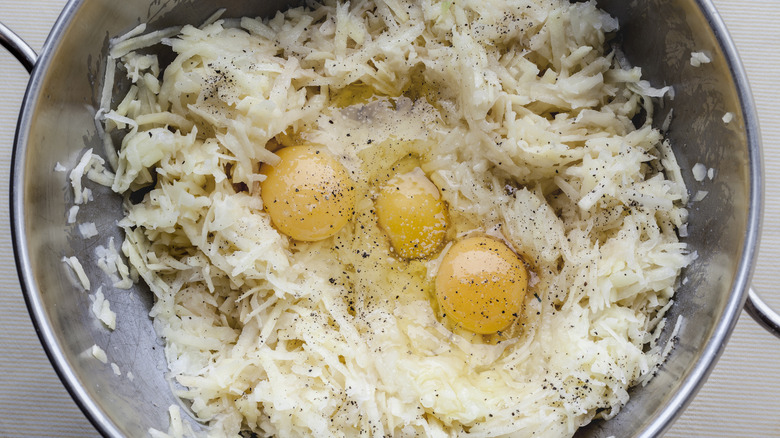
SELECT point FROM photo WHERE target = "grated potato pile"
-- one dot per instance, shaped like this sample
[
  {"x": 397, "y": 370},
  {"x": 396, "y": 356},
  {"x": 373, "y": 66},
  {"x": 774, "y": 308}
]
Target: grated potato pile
[{"x": 517, "y": 110}]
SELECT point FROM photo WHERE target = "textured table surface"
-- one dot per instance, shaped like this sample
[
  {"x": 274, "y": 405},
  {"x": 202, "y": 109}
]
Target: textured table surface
[{"x": 740, "y": 399}]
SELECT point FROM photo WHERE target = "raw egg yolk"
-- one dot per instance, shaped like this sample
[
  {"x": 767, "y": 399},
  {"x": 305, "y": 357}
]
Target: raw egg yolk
[
  {"x": 308, "y": 194},
  {"x": 481, "y": 284},
  {"x": 410, "y": 210}
]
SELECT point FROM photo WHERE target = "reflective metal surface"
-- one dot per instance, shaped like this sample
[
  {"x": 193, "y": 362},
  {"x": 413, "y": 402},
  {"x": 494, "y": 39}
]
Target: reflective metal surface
[
  {"x": 762, "y": 313},
  {"x": 57, "y": 125},
  {"x": 20, "y": 49}
]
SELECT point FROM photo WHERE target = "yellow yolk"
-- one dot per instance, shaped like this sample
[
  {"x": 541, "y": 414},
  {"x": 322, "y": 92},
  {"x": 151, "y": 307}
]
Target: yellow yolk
[
  {"x": 308, "y": 194},
  {"x": 481, "y": 284},
  {"x": 410, "y": 210}
]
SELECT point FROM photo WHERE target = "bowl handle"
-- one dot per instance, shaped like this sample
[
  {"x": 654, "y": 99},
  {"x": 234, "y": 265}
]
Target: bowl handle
[
  {"x": 762, "y": 313},
  {"x": 20, "y": 49}
]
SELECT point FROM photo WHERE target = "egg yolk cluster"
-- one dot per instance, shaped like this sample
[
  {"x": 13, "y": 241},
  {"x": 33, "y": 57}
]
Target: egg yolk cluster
[
  {"x": 308, "y": 194},
  {"x": 480, "y": 284}
]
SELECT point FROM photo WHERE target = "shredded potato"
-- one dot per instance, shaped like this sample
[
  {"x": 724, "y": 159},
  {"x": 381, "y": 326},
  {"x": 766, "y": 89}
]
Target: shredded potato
[{"x": 523, "y": 118}]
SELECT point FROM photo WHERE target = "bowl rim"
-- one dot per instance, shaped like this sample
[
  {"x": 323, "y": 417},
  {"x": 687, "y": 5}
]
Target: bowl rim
[
  {"x": 721, "y": 333},
  {"x": 32, "y": 294}
]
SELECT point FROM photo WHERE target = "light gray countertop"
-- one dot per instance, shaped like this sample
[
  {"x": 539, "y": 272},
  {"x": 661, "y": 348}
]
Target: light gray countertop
[{"x": 740, "y": 399}]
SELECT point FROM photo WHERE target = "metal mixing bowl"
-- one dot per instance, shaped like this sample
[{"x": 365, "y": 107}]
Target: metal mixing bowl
[{"x": 57, "y": 125}]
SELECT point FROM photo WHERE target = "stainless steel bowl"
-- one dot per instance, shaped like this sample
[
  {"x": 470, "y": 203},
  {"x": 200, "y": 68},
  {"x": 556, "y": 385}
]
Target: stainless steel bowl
[{"x": 57, "y": 124}]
